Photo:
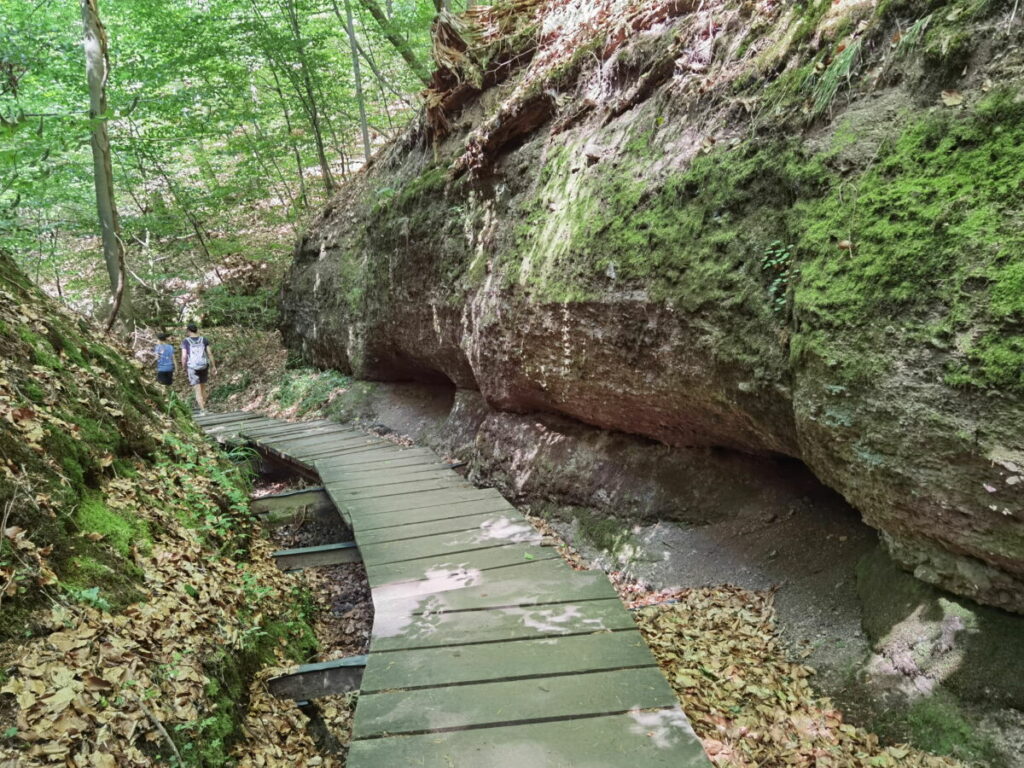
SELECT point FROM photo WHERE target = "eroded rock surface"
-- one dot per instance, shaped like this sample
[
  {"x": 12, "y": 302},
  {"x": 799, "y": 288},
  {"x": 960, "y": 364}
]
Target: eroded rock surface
[{"x": 779, "y": 229}]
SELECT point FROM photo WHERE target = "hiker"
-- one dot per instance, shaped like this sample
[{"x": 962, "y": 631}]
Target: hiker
[
  {"x": 198, "y": 361},
  {"x": 164, "y": 361}
]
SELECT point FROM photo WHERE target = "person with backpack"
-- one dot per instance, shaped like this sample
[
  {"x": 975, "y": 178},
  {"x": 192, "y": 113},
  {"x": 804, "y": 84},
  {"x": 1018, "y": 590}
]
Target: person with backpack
[
  {"x": 164, "y": 361},
  {"x": 197, "y": 360}
]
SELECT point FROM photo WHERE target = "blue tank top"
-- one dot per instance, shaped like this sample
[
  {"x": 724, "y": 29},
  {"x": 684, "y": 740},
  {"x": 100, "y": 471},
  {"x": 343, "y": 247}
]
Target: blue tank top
[{"x": 164, "y": 357}]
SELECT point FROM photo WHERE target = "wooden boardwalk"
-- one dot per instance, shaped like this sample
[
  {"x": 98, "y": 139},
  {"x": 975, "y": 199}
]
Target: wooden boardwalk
[{"x": 487, "y": 650}]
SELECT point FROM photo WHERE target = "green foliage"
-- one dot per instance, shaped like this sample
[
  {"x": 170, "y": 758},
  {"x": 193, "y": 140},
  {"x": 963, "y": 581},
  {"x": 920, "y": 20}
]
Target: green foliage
[
  {"x": 220, "y": 305},
  {"x": 214, "y": 129},
  {"x": 825, "y": 87},
  {"x": 309, "y": 389},
  {"x": 777, "y": 263}
]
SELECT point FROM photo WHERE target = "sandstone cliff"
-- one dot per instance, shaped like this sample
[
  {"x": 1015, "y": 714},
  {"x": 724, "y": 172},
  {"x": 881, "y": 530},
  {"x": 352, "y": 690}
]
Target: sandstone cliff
[{"x": 780, "y": 228}]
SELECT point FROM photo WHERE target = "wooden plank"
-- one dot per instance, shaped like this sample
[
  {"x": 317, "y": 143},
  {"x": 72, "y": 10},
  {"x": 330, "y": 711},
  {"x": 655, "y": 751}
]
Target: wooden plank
[
  {"x": 431, "y": 667},
  {"x": 449, "y": 480},
  {"x": 334, "y": 451},
  {"x": 348, "y": 461},
  {"x": 510, "y": 701},
  {"x": 433, "y": 527},
  {"x": 430, "y": 514},
  {"x": 288, "y": 427},
  {"x": 477, "y": 560},
  {"x": 313, "y": 557},
  {"x": 526, "y": 584},
  {"x": 408, "y": 459},
  {"x": 653, "y": 739},
  {"x": 399, "y": 631},
  {"x": 352, "y": 480},
  {"x": 286, "y": 436},
  {"x": 212, "y": 419},
  {"x": 312, "y": 681},
  {"x": 494, "y": 533},
  {"x": 328, "y": 433},
  {"x": 228, "y": 426},
  {"x": 409, "y": 597},
  {"x": 369, "y": 507}
]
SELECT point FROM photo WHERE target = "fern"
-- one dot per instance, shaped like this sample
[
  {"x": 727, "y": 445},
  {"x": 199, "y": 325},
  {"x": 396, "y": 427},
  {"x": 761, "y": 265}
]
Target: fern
[{"x": 827, "y": 85}]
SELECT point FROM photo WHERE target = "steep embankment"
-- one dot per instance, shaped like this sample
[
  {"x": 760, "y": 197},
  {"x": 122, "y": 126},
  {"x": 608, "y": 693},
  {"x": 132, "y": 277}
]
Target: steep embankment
[
  {"x": 137, "y": 607},
  {"x": 780, "y": 228}
]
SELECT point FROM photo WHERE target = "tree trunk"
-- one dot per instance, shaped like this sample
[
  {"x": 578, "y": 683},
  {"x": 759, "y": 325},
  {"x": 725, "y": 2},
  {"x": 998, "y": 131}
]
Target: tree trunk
[
  {"x": 401, "y": 45},
  {"x": 314, "y": 112},
  {"x": 97, "y": 68},
  {"x": 356, "y": 72}
]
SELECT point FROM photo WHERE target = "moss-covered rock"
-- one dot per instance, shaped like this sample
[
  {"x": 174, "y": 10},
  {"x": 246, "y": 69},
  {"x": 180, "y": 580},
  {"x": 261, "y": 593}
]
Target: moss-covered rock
[{"x": 803, "y": 238}]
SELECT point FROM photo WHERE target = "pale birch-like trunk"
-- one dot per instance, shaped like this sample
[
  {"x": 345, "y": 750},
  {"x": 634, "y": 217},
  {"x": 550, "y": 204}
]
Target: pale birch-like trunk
[{"x": 97, "y": 68}]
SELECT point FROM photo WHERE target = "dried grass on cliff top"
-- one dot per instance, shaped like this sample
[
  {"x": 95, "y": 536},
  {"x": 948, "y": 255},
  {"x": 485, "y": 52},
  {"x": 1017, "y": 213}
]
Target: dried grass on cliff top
[{"x": 750, "y": 705}]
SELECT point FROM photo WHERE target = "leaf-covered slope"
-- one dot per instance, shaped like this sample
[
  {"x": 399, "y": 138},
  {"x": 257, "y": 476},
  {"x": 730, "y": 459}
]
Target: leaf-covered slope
[{"x": 137, "y": 601}]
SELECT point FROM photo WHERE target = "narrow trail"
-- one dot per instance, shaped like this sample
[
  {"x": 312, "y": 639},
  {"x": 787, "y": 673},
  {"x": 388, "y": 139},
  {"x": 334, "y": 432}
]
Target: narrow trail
[{"x": 487, "y": 648}]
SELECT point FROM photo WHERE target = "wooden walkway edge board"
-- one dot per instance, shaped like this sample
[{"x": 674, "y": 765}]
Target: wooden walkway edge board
[
  {"x": 312, "y": 681},
  {"x": 312, "y": 557}
]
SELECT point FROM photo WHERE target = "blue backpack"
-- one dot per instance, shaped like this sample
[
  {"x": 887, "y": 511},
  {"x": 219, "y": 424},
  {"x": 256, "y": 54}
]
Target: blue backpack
[{"x": 164, "y": 357}]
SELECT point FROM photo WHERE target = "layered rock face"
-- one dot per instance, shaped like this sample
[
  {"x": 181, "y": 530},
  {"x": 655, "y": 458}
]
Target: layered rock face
[{"x": 774, "y": 228}]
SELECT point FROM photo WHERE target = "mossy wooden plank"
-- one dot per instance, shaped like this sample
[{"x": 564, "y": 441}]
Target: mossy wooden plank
[
  {"x": 431, "y": 667},
  {"x": 367, "y": 508},
  {"x": 495, "y": 532},
  {"x": 395, "y": 629},
  {"x": 403, "y": 518},
  {"x": 511, "y": 701},
  {"x": 652, "y": 739},
  {"x": 478, "y": 560},
  {"x": 412, "y": 531}
]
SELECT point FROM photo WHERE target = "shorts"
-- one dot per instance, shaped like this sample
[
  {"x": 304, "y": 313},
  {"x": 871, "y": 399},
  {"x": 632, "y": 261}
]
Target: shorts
[
  {"x": 165, "y": 377},
  {"x": 197, "y": 376}
]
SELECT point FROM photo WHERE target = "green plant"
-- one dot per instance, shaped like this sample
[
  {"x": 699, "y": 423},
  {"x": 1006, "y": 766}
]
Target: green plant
[
  {"x": 777, "y": 264},
  {"x": 90, "y": 596},
  {"x": 825, "y": 86}
]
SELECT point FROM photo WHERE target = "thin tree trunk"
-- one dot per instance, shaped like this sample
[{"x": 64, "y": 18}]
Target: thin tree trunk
[
  {"x": 357, "y": 72},
  {"x": 291, "y": 137},
  {"x": 97, "y": 68},
  {"x": 314, "y": 113},
  {"x": 401, "y": 45}
]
